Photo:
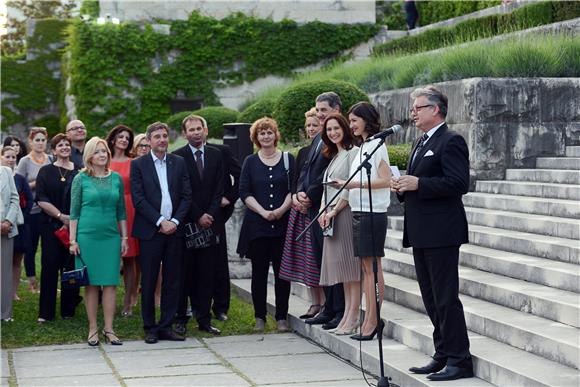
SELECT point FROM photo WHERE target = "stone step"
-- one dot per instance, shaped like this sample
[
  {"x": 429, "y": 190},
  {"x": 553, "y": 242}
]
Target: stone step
[
  {"x": 569, "y": 163},
  {"x": 536, "y": 224},
  {"x": 494, "y": 362},
  {"x": 397, "y": 357},
  {"x": 537, "y": 300},
  {"x": 543, "y": 175},
  {"x": 528, "y": 205},
  {"x": 573, "y": 151},
  {"x": 560, "y": 275},
  {"x": 523, "y": 188},
  {"x": 559, "y": 249}
]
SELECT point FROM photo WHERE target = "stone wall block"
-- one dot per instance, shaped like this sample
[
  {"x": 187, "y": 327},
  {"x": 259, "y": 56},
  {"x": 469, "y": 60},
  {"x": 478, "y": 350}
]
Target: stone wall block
[
  {"x": 572, "y": 130},
  {"x": 530, "y": 140},
  {"x": 504, "y": 100},
  {"x": 487, "y": 144},
  {"x": 560, "y": 99}
]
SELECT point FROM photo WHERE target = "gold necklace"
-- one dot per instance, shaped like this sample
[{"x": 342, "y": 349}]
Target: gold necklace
[{"x": 62, "y": 177}]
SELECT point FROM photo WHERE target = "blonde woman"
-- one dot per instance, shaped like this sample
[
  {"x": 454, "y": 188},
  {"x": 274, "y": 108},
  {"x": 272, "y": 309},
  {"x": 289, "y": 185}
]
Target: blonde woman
[{"x": 97, "y": 215}]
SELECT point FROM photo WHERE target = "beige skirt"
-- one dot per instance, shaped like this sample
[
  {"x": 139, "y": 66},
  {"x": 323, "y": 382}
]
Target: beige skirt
[{"x": 338, "y": 261}]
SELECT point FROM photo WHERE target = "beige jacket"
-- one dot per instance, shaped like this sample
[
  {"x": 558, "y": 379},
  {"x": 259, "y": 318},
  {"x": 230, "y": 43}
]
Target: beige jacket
[{"x": 9, "y": 200}]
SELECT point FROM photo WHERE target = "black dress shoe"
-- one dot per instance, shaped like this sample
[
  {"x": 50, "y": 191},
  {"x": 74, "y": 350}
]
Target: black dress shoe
[
  {"x": 180, "y": 328},
  {"x": 151, "y": 338},
  {"x": 451, "y": 373},
  {"x": 170, "y": 335},
  {"x": 320, "y": 319},
  {"x": 332, "y": 323},
  {"x": 221, "y": 316},
  {"x": 361, "y": 337},
  {"x": 210, "y": 329},
  {"x": 433, "y": 366}
]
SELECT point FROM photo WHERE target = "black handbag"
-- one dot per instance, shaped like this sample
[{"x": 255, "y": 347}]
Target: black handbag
[
  {"x": 198, "y": 237},
  {"x": 74, "y": 279}
]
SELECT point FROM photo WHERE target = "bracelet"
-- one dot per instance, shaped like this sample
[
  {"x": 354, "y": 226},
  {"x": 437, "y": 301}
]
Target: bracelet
[
  {"x": 125, "y": 238},
  {"x": 58, "y": 216},
  {"x": 73, "y": 242}
]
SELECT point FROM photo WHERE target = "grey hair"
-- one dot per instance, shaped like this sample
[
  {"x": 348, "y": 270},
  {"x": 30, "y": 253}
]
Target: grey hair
[
  {"x": 332, "y": 98},
  {"x": 434, "y": 96}
]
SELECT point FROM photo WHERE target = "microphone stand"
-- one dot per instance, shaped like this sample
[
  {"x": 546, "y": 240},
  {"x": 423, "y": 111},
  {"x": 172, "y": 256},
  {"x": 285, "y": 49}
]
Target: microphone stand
[{"x": 383, "y": 380}]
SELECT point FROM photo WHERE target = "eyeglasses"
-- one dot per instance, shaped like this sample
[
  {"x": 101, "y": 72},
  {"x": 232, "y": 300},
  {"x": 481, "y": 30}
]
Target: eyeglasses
[
  {"x": 143, "y": 146},
  {"x": 76, "y": 128},
  {"x": 415, "y": 109}
]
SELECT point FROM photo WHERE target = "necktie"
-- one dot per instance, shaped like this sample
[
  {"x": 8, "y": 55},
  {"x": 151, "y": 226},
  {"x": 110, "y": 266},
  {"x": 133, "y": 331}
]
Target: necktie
[
  {"x": 424, "y": 138},
  {"x": 199, "y": 163}
]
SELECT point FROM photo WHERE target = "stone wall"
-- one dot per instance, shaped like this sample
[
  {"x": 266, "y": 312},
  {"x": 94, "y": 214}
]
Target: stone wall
[
  {"x": 329, "y": 11},
  {"x": 507, "y": 122}
]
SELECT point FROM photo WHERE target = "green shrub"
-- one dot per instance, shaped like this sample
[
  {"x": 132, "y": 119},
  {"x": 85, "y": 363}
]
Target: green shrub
[
  {"x": 90, "y": 7},
  {"x": 216, "y": 116},
  {"x": 297, "y": 99},
  {"x": 399, "y": 154},
  {"x": 174, "y": 121},
  {"x": 263, "y": 107},
  {"x": 435, "y": 11},
  {"x": 532, "y": 15}
]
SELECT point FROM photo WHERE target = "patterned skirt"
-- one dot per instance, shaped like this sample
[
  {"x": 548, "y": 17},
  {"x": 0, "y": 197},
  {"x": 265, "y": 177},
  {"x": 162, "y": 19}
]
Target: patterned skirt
[{"x": 298, "y": 260}]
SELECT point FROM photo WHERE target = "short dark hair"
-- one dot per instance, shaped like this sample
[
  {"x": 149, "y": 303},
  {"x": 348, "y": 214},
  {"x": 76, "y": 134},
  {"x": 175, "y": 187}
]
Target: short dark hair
[
  {"x": 113, "y": 134},
  {"x": 23, "y": 148},
  {"x": 58, "y": 138},
  {"x": 155, "y": 127},
  {"x": 434, "y": 96},
  {"x": 331, "y": 149},
  {"x": 369, "y": 114},
  {"x": 332, "y": 98}
]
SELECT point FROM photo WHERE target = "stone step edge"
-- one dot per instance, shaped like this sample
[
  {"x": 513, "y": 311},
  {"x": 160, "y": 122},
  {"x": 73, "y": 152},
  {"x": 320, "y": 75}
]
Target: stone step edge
[
  {"x": 397, "y": 356},
  {"x": 473, "y": 249}
]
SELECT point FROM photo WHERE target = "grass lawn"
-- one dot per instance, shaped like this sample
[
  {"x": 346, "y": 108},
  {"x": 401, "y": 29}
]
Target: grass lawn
[{"x": 24, "y": 331}]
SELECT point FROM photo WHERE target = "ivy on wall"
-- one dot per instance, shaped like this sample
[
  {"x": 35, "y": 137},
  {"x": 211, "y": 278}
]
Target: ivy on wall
[
  {"x": 31, "y": 88},
  {"x": 129, "y": 73}
]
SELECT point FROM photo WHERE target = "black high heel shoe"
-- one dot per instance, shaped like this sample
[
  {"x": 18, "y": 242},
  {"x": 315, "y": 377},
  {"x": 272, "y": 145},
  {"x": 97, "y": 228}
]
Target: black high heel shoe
[
  {"x": 378, "y": 329},
  {"x": 114, "y": 341},
  {"x": 93, "y": 342}
]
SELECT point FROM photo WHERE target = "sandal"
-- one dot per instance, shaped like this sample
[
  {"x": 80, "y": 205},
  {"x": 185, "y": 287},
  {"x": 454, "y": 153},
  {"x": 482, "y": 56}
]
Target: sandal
[
  {"x": 312, "y": 311},
  {"x": 114, "y": 340},
  {"x": 93, "y": 342}
]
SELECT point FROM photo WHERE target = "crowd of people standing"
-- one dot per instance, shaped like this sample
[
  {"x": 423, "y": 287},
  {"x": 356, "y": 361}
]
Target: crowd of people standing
[{"x": 125, "y": 204}]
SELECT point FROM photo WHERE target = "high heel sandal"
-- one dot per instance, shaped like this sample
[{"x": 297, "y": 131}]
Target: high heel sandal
[
  {"x": 108, "y": 340},
  {"x": 95, "y": 342},
  {"x": 348, "y": 331},
  {"x": 361, "y": 337},
  {"x": 312, "y": 311}
]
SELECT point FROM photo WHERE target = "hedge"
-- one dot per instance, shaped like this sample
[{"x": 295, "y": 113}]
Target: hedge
[
  {"x": 291, "y": 105},
  {"x": 435, "y": 11},
  {"x": 215, "y": 116},
  {"x": 399, "y": 154},
  {"x": 263, "y": 107},
  {"x": 528, "y": 16}
]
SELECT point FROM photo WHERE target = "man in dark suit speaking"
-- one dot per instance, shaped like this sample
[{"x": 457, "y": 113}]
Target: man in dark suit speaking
[
  {"x": 435, "y": 226},
  {"x": 161, "y": 195}
]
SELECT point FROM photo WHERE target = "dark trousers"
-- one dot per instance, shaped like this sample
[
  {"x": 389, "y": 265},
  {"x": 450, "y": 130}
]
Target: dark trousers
[
  {"x": 334, "y": 304},
  {"x": 169, "y": 250},
  {"x": 34, "y": 228},
  {"x": 262, "y": 251},
  {"x": 55, "y": 257},
  {"x": 221, "y": 289},
  {"x": 197, "y": 281},
  {"x": 438, "y": 278}
]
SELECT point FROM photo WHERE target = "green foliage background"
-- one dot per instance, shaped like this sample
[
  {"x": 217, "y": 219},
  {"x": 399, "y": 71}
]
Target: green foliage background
[
  {"x": 215, "y": 116},
  {"x": 129, "y": 73}
]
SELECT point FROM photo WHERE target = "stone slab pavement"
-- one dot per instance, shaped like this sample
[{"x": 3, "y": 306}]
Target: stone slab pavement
[{"x": 252, "y": 360}]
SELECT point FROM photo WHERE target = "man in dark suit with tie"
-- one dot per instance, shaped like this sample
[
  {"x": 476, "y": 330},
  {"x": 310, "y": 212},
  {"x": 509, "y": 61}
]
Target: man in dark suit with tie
[
  {"x": 221, "y": 292},
  {"x": 435, "y": 226},
  {"x": 161, "y": 195},
  {"x": 205, "y": 169},
  {"x": 310, "y": 195}
]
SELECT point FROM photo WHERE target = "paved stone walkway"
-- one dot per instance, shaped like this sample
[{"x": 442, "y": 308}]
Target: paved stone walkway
[{"x": 254, "y": 360}]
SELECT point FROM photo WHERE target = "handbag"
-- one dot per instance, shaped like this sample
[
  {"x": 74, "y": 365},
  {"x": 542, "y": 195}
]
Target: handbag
[
  {"x": 197, "y": 237},
  {"x": 63, "y": 235},
  {"x": 74, "y": 279}
]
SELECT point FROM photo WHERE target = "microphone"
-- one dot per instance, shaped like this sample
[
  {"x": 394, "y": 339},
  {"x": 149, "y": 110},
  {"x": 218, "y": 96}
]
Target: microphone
[{"x": 385, "y": 133}]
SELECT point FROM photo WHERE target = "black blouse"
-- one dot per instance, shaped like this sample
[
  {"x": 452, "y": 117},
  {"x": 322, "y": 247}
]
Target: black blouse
[
  {"x": 51, "y": 188},
  {"x": 269, "y": 185}
]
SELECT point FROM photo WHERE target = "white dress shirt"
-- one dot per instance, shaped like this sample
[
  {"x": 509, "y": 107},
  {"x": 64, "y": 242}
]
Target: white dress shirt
[{"x": 166, "y": 206}]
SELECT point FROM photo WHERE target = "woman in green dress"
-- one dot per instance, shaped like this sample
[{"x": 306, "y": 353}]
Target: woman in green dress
[{"x": 97, "y": 217}]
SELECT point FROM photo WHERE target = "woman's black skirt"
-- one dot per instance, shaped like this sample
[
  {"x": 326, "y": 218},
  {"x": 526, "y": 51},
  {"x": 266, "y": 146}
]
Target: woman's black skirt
[{"x": 363, "y": 235}]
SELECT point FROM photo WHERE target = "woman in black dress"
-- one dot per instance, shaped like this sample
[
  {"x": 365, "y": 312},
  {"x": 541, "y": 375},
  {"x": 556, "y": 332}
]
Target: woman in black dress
[
  {"x": 53, "y": 185},
  {"x": 265, "y": 189}
]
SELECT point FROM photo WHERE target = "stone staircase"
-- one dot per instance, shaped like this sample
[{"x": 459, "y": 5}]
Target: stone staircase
[{"x": 519, "y": 284}]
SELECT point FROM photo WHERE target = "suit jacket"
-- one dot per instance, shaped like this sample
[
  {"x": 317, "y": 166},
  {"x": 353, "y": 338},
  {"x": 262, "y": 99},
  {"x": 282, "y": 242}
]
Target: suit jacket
[
  {"x": 434, "y": 213},
  {"x": 310, "y": 180},
  {"x": 207, "y": 192},
  {"x": 232, "y": 169},
  {"x": 146, "y": 194},
  {"x": 10, "y": 201}
]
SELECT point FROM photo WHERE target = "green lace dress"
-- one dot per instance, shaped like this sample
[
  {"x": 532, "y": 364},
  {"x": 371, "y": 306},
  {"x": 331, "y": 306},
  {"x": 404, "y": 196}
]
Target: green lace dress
[{"x": 98, "y": 204}]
